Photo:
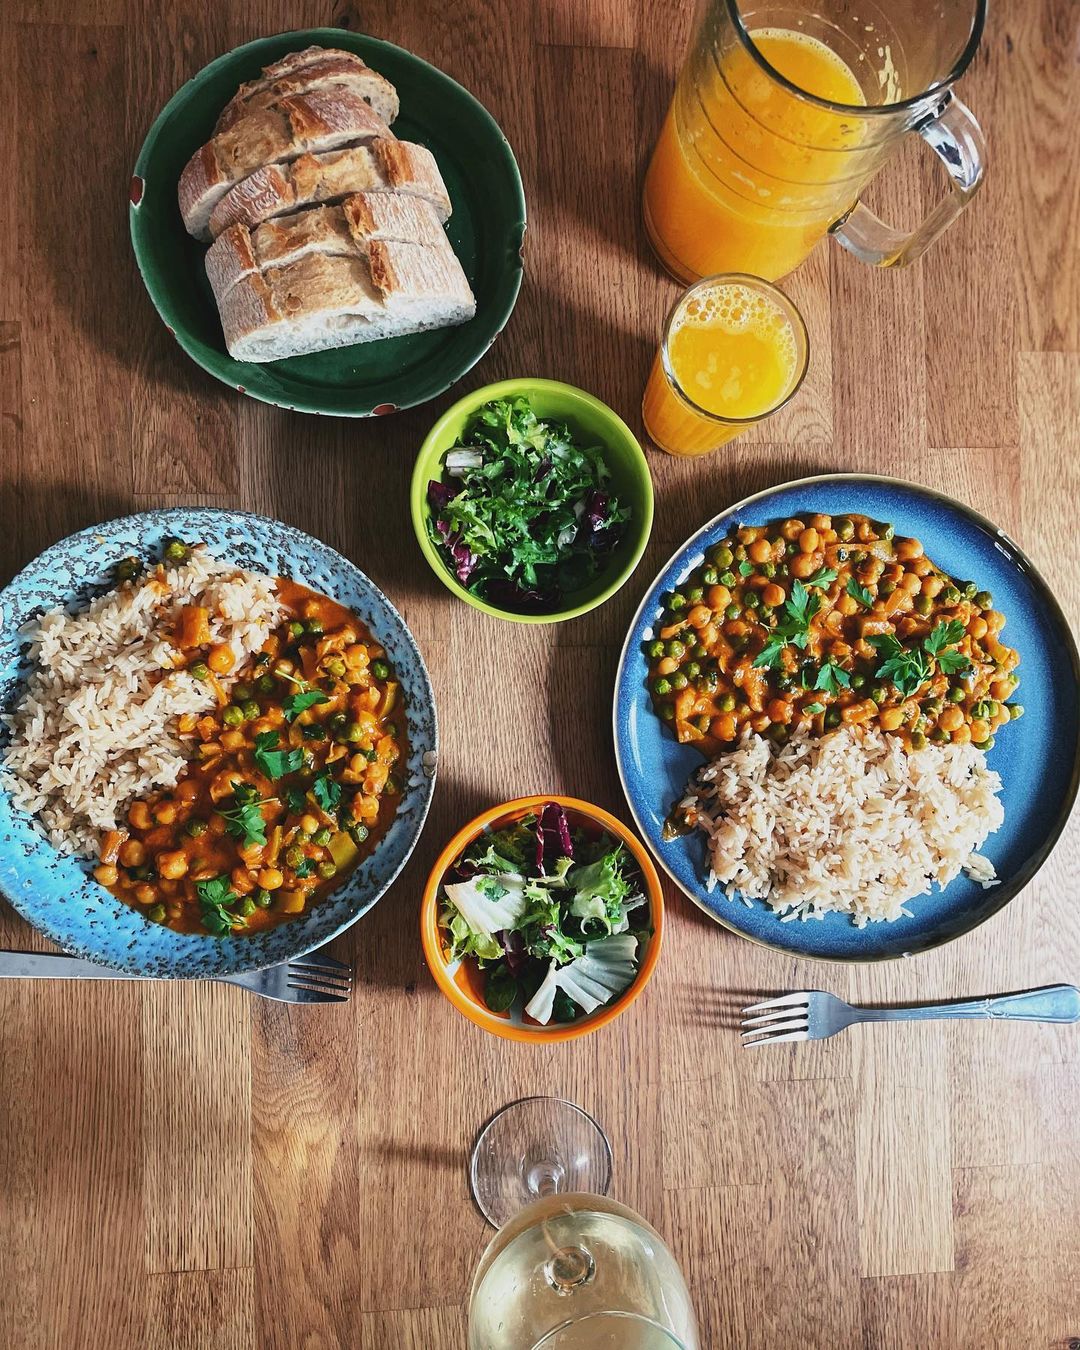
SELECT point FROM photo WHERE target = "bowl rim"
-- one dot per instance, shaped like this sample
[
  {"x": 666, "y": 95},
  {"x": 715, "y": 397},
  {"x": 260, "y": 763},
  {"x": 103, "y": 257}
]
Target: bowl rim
[
  {"x": 432, "y": 944},
  {"x": 225, "y": 367},
  {"x": 1007, "y": 891},
  {"x": 522, "y": 384}
]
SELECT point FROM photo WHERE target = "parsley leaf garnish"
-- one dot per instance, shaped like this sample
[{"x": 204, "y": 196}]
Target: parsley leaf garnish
[
  {"x": 831, "y": 678},
  {"x": 244, "y": 819},
  {"x": 792, "y": 628},
  {"x": 858, "y": 592},
  {"x": 771, "y": 655},
  {"x": 299, "y": 702},
  {"x": 953, "y": 663},
  {"x": 273, "y": 762},
  {"x": 326, "y": 791},
  {"x": 215, "y": 895},
  {"x": 295, "y": 800},
  {"x": 813, "y": 708},
  {"x": 304, "y": 868},
  {"x": 822, "y": 577},
  {"x": 802, "y": 606},
  {"x": 943, "y": 635},
  {"x": 907, "y": 669}
]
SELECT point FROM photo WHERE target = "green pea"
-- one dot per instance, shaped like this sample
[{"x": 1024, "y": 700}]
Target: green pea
[
  {"x": 322, "y": 837},
  {"x": 879, "y": 693},
  {"x": 768, "y": 569},
  {"x": 923, "y": 604},
  {"x": 918, "y": 740},
  {"x": 693, "y": 669},
  {"x": 358, "y": 832},
  {"x": 950, "y": 596},
  {"x": 702, "y": 723},
  {"x": 956, "y": 694},
  {"x": 992, "y": 708},
  {"x": 353, "y": 732},
  {"x": 939, "y": 736},
  {"x": 314, "y": 627},
  {"x": 845, "y": 529},
  {"x": 661, "y": 687},
  {"x": 250, "y": 709},
  {"x": 314, "y": 731},
  {"x": 932, "y": 706},
  {"x": 294, "y": 856},
  {"x": 722, "y": 556},
  {"x": 699, "y": 651},
  {"x": 752, "y": 600},
  {"x": 832, "y": 715},
  {"x": 740, "y": 643},
  {"x": 262, "y": 898},
  {"x": 679, "y": 680},
  {"x": 655, "y": 649},
  {"x": 733, "y": 611},
  {"x": 1015, "y": 710},
  {"x": 740, "y": 553},
  {"x": 727, "y": 578},
  {"x": 336, "y": 667},
  {"x": 127, "y": 569},
  {"x": 858, "y": 680},
  {"x": 675, "y": 649},
  {"x": 709, "y": 682},
  {"x": 886, "y": 588},
  {"x": 667, "y": 711},
  {"x": 766, "y": 612},
  {"x": 195, "y": 828},
  {"x": 265, "y": 684},
  {"x": 296, "y": 629},
  {"x": 710, "y": 576},
  {"x": 988, "y": 744},
  {"x": 338, "y": 723},
  {"x": 247, "y": 907},
  {"x": 156, "y": 913},
  {"x": 141, "y": 873},
  {"x": 676, "y": 601},
  {"x": 885, "y": 530},
  {"x": 380, "y": 670},
  {"x": 232, "y": 716},
  {"x": 984, "y": 600},
  {"x": 176, "y": 551},
  {"x": 695, "y": 595},
  {"x": 327, "y": 870},
  {"x": 242, "y": 692},
  {"x": 200, "y": 670},
  {"x": 778, "y": 733}
]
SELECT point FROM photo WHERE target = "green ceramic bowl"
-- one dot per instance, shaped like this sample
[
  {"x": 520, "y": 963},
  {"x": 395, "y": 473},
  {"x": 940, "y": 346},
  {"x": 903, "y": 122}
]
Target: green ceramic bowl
[
  {"x": 592, "y": 421},
  {"x": 486, "y": 229}
]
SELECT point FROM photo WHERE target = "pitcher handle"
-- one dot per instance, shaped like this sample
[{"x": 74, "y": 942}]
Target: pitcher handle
[{"x": 954, "y": 136}]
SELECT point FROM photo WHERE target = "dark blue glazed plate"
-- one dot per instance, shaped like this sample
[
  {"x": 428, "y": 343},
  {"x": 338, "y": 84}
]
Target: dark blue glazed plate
[
  {"x": 1038, "y": 756},
  {"x": 57, "y": 894}
]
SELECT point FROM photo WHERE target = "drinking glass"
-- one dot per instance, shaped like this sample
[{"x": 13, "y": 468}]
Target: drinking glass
[
  {"x": 783, "y": 112},
  {"x": 567, "y": 1268},
  {"x": 710, "y": 381}
]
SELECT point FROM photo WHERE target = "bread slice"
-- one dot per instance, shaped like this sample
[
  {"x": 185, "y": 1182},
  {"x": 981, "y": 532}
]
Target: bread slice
[
  {"x": 308, "y": 70},
  {"x": 321, "y": 120},
  {"x": 383, "y": 165},
  {"x": 340, "y": 231},
  {"x": 321, "y": 302}
]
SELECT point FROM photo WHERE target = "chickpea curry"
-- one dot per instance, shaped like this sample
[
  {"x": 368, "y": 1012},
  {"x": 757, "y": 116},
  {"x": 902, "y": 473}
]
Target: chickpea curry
[
  {"x": 291, "y": 781},
  {"x": 826, "y": 621}
]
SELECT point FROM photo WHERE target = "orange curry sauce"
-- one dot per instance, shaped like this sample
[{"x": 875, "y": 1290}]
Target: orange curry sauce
[
  {"x": 829, "y": 621},
  {"x": 190, "y": 857}
]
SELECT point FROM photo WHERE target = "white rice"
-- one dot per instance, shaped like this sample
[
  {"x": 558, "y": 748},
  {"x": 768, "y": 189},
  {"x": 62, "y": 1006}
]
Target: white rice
[
  {"x": 95, "y": 727},
  {"x": 850, "y": 821}
]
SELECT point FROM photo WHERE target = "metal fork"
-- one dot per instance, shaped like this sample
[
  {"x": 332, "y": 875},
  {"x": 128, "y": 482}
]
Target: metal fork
[
  {"x": 313, "y": 978},
  {"x": 812, "y": 1015}
]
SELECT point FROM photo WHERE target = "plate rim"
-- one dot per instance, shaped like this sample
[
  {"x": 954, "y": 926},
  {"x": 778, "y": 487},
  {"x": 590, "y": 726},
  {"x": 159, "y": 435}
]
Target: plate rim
[
  {"x": 513, "y": 273},
  {"x": 1034, "y": 864},
  {"x": 74, "y": 947}
]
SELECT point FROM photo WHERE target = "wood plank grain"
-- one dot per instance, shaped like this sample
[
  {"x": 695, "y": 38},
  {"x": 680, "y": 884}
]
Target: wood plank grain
[{"x": 201, "y": 1310}]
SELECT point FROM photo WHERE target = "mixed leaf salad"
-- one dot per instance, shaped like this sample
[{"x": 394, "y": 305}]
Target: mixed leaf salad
[
  {"x": 551, "y": 916},
  {"x": 523, "y": 514}
]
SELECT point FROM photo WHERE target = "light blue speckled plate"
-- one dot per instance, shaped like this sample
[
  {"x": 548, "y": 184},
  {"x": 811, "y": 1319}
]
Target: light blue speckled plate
[
  {"x": 1038, "y": 756},
  {"x": 57, "y": 894}
]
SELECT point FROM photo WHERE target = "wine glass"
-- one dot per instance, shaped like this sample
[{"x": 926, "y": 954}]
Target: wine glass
[{"x": 569, "y": 1269}]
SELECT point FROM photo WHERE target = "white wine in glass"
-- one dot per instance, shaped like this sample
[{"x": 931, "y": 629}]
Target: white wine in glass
[{"x": 568, "y": 1270}]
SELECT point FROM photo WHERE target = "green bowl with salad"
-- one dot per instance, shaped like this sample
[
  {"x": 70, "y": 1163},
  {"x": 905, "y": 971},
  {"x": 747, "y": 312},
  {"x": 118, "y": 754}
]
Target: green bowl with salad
[{"x": 532, "y": 500}]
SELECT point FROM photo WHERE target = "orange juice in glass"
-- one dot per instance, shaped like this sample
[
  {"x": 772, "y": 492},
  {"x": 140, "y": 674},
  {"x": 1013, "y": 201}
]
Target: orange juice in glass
[
  {"x": 783, "y": 112},
  {"x": 734, "y": 350}
]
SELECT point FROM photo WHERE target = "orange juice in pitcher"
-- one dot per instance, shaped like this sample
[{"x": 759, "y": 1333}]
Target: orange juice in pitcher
[{"x": 783, "y": 112}]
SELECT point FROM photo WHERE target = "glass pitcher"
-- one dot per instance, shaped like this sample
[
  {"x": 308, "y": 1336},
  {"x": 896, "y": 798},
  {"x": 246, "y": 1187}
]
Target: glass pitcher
[{"x": 782, "y": 114}]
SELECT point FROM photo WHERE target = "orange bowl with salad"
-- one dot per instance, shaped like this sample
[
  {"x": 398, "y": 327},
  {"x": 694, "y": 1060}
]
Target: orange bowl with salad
[{"x": 542, "y": 919}]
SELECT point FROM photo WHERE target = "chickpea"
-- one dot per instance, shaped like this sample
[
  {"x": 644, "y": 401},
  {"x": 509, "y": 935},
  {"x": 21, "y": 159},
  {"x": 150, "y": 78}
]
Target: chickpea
[
  {"x": 791, "y": 529},
  {"x": 270, "y": 879},
  {"x": 309, "y": 824},
  {"x": 699, "y": 616},
  {"x": 186, "y": 723},
  {"x": 779, "y": 710},
  {"x": 222, "y": 784},
  {"x": 145, "y": 894},
  {"x": 172, "y": 866},
  {"x": 871, "y": 570},
  {"x": 846, "y": 604},
  {"x": 933, "y": 585},
  {"x": 910, "y": 584},
  {"x": 890, "y": 719},
  {"x": 718, "y": 598},
  {"x": 773, "y": 594},
  {"x": 977, "y": 627},
  {"x": 1001, "y": 689},
  {"x": 356, "y": 657},
  {"x": 760, "y": 723},
  {"x": 243, "y": 881},
  {"x": 723, "y": 727},
  {"x": 165, "y": 812},
  {"x": 215, "y": 825},
  {"x": 232, "y": 740},
  {"x": 962, "y": 735},
  {"x": 820, "y": 522},
  {"x": 804, "y": 565},
  {"x": 995, "y": 621},
  {"x": 951, "y": 718},
  {"x": 908, "y": 548},
  {"x": 759, "y": 551},
  {"x": 132, "y": 854},
  {"x": 921, "y": 566},
  {"x": 283, "y": 667},
  {"x": 139, "y": 816},
  {"x": 106, "y": 874},
  {"x": 221, "y": 658},
  {"x": 809, "y": 540},
  {"x": 187, "y": 790},
  {"x": 980, "y": 729}
]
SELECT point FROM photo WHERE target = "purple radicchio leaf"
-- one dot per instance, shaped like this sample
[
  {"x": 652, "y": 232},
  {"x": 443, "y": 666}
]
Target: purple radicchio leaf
[
  {"x": 463, "y": 558},
  {"x": 440, "y": 494},
  {"x": 552, "y": 836},
  {"x": 507, "y": 594},
  {"x": 513, "y": 944}
]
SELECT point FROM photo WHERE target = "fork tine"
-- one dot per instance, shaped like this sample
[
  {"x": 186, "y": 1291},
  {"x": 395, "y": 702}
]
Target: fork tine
[
  {"x": 785, "y": 1002},
  {"x": 765, "y": 1019},
  {"x": 792, "y": 1024},
  {"x": 314, "y": 961},
  {"x": 301, "y": 994},
  {"x": 775, "y": 1040},
  {"x": 332, "y": 984}
]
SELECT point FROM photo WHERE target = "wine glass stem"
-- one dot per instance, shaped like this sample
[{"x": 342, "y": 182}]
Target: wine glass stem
[{"x": 544, "y": 1179}]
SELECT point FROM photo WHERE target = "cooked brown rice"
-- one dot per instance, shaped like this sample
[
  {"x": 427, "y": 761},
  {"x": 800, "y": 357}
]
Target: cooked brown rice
[
  {"x": 849, "y": 821},
  {"x": 95, "y": 727}
]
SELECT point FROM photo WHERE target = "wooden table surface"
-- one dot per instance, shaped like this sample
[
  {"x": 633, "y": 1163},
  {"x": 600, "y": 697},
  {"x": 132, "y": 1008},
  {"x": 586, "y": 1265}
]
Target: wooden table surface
[{"x": 186, "y": 1166}]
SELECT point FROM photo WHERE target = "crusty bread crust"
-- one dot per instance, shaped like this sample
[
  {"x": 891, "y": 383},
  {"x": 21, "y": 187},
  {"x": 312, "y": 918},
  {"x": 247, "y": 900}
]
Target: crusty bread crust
[
  {"x": 314, "y": 68},
  {"x": 320, "y": 120},
  {"x": 385, "y": 164}
]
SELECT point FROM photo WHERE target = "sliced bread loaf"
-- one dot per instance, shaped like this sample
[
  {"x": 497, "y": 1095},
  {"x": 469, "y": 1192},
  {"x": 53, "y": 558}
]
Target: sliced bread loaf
[
  {"x": 383, "y": 165},
  {"x": 307, "y": 70},
  {"x": 340, "y": 231},
  {"x": 321, "y": 120},
  {"x": 322, "y": 301}
]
